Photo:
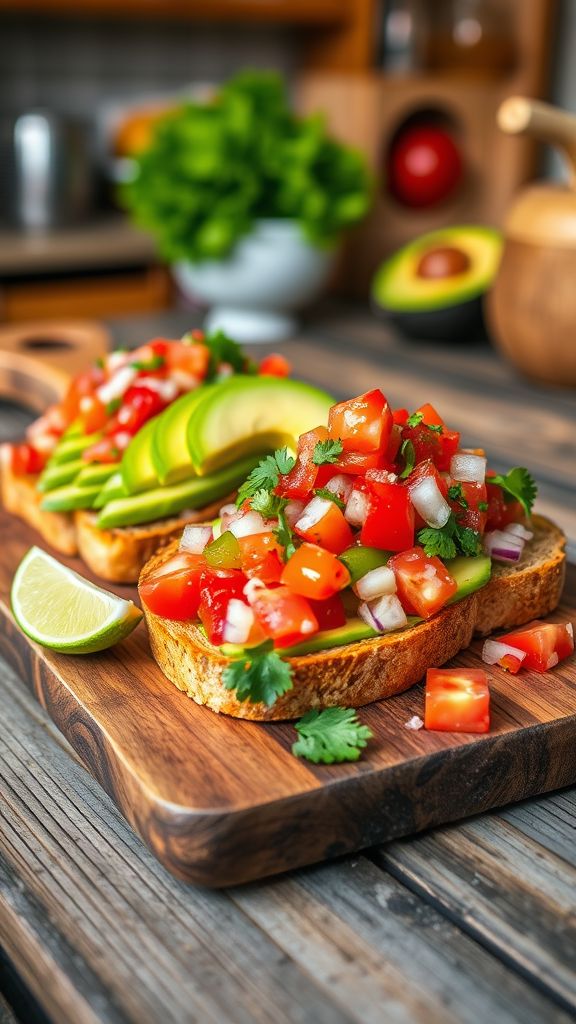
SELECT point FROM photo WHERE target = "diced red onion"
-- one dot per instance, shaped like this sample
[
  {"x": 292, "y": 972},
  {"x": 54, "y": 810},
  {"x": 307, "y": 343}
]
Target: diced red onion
[
  {"x": 313, "y": 512},
  {"x": 518, "y": 530},
  {"x": 414, "y": 723},
  {"x": 340, "y": 485},
  {"x": 248, "y": 524},
  {"x": 503, "y": 547},
  {"x": 117, "y": 385},
  {"x": 195, "y": 539},
  {"x": 293, "y": 511},
  {"x": 493, "y": 651},
  {"x": 252, "y": 588},
  {"x": 375, "y": 583},
  {"x": 429, "y": 502},
  {"x": 384, "y": 614},
  {"x": 468, "y": 468},
  {"x": 357, "y": 508},
  {"x": 238, "y": 623}
]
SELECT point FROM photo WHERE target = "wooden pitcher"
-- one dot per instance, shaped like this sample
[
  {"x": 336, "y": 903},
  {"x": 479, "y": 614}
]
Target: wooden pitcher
[{"x": 532, "y": 305}]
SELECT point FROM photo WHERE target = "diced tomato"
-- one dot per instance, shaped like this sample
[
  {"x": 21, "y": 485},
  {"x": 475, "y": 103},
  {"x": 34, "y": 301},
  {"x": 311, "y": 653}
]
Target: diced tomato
[
  {"x": 174, "y": 590},
  {"x": 217, "y": 587},
  {"x": 191, "y": 359},
  {"x": 285, "y": 617},
  {"x": 139, "y": 405},
  {"x": 315, "y": 573},
  {"x": 399, "y": 416},
  {"x": 323, "y": 523},
  {"x": 429, "y": 415},
  {"x": 363, "y": 424},
  {"x": 83, "y": 384},
  {"x": 500, "y": 511},
  {"x": 394, "y": 444},
  {"x": 260, "y": 556},
  {"x": 457, "y": 700},
  {"x": 301, "y": 480},
  {"x": 356, "y": 463},
  {"x": 390, "y": 521},
  {"x": 449, "y": 445},
  {"x": 470, "y": 514},
  {"x": 423, "y": 583},
  {"x": 545, "y": 643},
  {"x": 25, "y": 459},
  {"x": 330, "y": 614},
  {"x": 429, "y": 469},
  {"x": 109, "y": 449},
  {"x": 426, "y": 442},
  {"x": 93, "y": 415},
  {"x": 274, "y": 365}
]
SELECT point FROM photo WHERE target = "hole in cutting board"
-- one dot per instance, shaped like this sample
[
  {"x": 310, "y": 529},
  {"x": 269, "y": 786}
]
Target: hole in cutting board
[{"x": 46, "y": 344}]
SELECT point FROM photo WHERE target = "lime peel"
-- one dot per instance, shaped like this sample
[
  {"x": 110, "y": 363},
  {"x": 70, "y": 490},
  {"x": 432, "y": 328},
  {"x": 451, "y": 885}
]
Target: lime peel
[{"x": 58, "y": 608}]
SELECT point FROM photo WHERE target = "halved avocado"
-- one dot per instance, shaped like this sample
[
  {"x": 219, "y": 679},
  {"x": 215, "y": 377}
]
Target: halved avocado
[
  {"x": 433, "y": 287},
  {"x": 170, "y": 453},
  {"x": 252, "y": 414},
  {"x": 162, "y": 502}
]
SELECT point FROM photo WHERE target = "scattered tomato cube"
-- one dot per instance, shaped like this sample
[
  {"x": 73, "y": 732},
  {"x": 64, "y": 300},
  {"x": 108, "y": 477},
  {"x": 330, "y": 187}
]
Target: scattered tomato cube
[
  {"x": 457, "y": 700},
  {"x": 545, "y": 643},
  {"x": 274, "y": 365}
]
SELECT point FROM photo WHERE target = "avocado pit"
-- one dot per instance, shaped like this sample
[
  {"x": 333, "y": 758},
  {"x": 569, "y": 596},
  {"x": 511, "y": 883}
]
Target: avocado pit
[{"x": 443, "y": 262}]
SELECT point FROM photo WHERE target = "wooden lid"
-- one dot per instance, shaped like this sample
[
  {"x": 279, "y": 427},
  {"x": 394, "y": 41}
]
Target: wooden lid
[{"x": 543, "y": 215}]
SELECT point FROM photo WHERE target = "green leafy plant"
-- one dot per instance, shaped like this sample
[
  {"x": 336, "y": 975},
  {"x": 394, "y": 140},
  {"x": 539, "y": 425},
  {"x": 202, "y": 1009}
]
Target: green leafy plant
[
  {"x": 331, "y": 736},
  {"x": 213, "y": 168}
]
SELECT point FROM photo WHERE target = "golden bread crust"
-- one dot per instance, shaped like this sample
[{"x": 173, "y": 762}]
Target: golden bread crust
[
  {"x": 21, "y": 497},
  {"x": 370, "y": 669}
]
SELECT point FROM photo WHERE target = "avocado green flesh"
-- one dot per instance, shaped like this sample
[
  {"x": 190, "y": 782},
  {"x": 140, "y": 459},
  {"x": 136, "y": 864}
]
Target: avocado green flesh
[
  {"x": 113, "y": 488},
  {"x": 250, "y": 414},
  {"x": 68, "y": 499},
  {"x": 170, "y": 455},
  {"x": 469, "y": 573},
  {"x": 137, "y": 468},
  {"x": 71, "y": 447},
  {"x": 59, "y": 475},
  {"x": 95, "y": 473},
  {"x": 162, "y": 502},
  {"x": 397, "y": 286}
]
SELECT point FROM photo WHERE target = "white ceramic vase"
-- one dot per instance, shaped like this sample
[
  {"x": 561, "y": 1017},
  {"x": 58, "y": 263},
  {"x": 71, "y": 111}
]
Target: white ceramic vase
[{"x": 254, "y": 292}]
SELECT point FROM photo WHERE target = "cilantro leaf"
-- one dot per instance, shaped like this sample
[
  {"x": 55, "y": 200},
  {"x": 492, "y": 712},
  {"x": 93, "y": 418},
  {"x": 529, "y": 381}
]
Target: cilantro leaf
[
  {"x": 323, "y": 492},
  {"x": 259, "y": 675},
  {"x": 331, "y": 736},
  {"x": 519, "y": 485},
  {"x": 266, "y": 503},
  {"x": 437, "y": 543},
  {"x": 408, "y": 452},
  {"x": 327, "y": 451},
  {"x": 468, "y": 540},
  {"x": 482, "y": 506},
  {"x": 265, "y": 475},
  {"x": 224, "y": 350},
  {"x": 455, "y": 493},
  {"x": 415, "y": 419},
  {"x": 284, "y": 535}
]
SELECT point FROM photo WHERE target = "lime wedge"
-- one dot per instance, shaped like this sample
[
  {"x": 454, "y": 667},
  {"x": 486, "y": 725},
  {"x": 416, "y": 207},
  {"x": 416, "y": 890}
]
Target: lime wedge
[{"x": 60, "y": 609}]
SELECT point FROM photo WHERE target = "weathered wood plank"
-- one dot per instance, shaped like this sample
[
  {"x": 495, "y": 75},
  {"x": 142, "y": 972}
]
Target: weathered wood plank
[
  {"x": 551, "y": 822},
  {"x": 505, "y": 888}
]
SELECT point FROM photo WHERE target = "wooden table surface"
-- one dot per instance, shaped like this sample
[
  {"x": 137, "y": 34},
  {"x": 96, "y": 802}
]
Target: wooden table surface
[{"x": 472, "y": 922}]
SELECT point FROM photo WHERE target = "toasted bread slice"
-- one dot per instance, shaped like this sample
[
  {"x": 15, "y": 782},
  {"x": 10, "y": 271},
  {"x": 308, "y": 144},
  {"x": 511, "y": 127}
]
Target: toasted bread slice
[
  {"x": 119, "y": 554},
  {"x": 370, "y": 669},
  {"x": 21, "y": 497}
]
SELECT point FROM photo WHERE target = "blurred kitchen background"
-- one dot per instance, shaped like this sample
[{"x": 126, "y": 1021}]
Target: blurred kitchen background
[{"x": 96, "y": 70}]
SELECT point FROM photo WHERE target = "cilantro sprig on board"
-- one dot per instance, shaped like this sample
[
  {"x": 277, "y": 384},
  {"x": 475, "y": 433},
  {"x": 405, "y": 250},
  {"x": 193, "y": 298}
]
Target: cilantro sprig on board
[{"x": 331, "y": 736}]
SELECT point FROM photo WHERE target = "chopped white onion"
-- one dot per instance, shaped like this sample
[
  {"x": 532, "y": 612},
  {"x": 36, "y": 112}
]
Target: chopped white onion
[
  {"x": 228, "y": 513},
  {"x": 414, "y": 723},
  {"x": 518, "y": 530},
  {"x": 238, "y": 623},
  {"x": 340, "y": 485},
  {"x": 384, "y": 614},
  {"x": 117, "y": 359},
  {"x": 167, "y": 388},
  {"x": 248, "y": 524},
  {"x": 195, "y": 539},
  {"x": 468, "y": 468},
  {"x": 375, "y": 583},
  {"x": 429, "y": 502},
  {"x": 184, "y": 381},
  {"x": 313, "y": 512},
  {"x": 252, "y": 589},
  {"x": 357, "y": 508},
  {"x": 503, "y": 547},
  {"x": 117, "y": 385},
  {"x": 493, "y": 651},
  {"x": 293, "y": 511}
]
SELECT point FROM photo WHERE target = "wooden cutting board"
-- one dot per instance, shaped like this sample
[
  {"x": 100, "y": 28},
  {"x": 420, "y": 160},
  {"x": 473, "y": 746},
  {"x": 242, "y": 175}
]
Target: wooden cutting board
[{"x": 220, "y": 801}]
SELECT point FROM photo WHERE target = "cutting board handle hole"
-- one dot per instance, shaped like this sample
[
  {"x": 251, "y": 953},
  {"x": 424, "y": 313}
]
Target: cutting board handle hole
[{"x": 46, "y": 344}]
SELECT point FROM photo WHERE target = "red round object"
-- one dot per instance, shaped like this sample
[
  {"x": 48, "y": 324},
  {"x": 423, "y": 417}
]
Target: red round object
[{"x": 425, "y": 166}]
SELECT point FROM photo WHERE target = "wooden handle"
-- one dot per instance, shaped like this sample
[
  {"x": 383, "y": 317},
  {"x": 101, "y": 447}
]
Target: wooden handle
[
  {"x": 37, "y": 359},
  {"x": 518, "y": 115}
]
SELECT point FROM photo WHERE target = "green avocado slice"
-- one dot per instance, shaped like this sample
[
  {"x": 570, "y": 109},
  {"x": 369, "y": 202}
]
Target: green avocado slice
[
  {"x": 137, "y": 466},
  {"x": 246, "y": 414},
  {"x": 68, "y": 499},
  {"x": 58, "y": 475},
  {"x": 113, "y": 488},
  {"x": 95, "y": 473},
  {"x": 72, "y": 446},
  {"x": 162, "y": 502},
  {"x": 170, "y": 454}
]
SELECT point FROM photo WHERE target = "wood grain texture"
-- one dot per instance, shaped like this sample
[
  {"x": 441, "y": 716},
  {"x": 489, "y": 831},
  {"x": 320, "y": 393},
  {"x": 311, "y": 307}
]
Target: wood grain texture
[
  {"x": 102, "y": 933},
  {"x": 221, "y": 801}
]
